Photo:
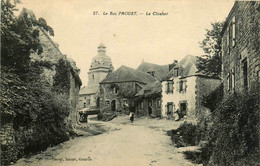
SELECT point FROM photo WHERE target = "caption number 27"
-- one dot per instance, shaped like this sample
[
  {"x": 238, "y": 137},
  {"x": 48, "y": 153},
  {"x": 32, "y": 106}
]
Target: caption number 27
[{"x": 95, "y": 13}]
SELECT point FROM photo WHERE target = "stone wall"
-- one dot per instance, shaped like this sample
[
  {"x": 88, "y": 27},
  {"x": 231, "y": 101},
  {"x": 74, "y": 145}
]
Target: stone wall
[
  {"x": 73, "y": 98},
  {"x": 142, "y": 106},
  {"x": 246, "y": 16},
  {"x": 204, "y": 86},
  {"x": 7, "y": 134},
  {"x": 125, "y": 94}
]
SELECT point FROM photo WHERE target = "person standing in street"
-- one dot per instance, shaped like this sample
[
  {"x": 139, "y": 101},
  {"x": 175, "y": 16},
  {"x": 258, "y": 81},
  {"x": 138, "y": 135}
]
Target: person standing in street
[{"x": 132, "y": 110}]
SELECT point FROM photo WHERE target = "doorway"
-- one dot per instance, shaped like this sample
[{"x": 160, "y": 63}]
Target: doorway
[
  {"x": 97, "y": 102},
  {"x": 183, "y": 108},
  {"x": 150, "y": 107},
  {"x": 169, "y": 109},
  {"x": 113, "y": 105}
]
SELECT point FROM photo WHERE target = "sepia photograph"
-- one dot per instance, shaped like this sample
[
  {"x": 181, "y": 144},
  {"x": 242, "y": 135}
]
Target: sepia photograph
[{"x": 130, "y": 83}]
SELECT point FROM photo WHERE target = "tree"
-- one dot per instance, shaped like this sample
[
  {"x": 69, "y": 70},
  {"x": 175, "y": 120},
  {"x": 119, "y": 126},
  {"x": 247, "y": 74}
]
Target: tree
[
  {"x": 19, "y": 36},
  {"x": 210, "y": 62}
]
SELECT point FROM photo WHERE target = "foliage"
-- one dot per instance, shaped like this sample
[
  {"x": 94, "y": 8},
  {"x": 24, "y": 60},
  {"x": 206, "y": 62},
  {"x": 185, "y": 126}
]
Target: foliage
[
  {"x": 62, "y": 77},
  {"x": 31, "y": 105},
  {"x": 194, "y": 156},
  {"x": 214, "y": 98},
  {"x": 37, "y": 111},
  {"x": 186, "y": 135},
  {"x": 231, "y": 138},
  {"x": 235, "y": 130},
  {"x": 19, "y": 36},
  {"x": 100, "y": 116},
  {"x": 210, "y": 62}
]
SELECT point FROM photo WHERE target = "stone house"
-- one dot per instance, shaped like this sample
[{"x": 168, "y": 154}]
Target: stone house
[
  {"x": 101, "y": 66},
  {"x": 241, "y": 47},
  {"x": 117, "y": 91},
  {"x": 148, "y": 100},
  {"x": 183, "y": 88}
]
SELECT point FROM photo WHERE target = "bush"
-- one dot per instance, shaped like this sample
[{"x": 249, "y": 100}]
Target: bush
[
  {"x": 38, "y": 114},
  {"x": 100, "y": 116},
  {"x": 214, "y": 98},
  {"x": 194, "y": 156},
  {"x": 186, "y": 135},
  {"x": 235, "y": 131}
]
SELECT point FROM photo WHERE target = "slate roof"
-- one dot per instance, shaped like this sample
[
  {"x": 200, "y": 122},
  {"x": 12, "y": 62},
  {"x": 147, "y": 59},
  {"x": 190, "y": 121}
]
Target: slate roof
[
  {"x": 87, "y": 90},
  {"x": 187, "y": 67},
  {"x": 127, "y": 74},
  {"x": 150, "y": 89},
  {"x": 160, "y": 70}
]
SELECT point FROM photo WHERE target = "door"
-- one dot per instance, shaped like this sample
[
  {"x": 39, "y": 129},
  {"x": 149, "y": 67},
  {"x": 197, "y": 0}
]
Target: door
[
  {"x": 150, "y": 107},
  {"x": 169, "y": 109},
  {"x": 113, "y": 105},
  {"x": 183, "y": 107},
  {"x": 97, "y": 102}
]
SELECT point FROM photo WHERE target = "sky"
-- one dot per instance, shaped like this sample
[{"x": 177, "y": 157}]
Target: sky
[{"x": 129, "y": 39}]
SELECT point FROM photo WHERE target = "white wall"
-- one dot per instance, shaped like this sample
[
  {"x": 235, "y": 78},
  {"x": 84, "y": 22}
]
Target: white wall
[{"x": 176, "y": 97}]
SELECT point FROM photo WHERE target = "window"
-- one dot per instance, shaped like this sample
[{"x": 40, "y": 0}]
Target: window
[
  {"x": 151, "y": 72},
  {"x": 229, "y": 81},
  {"x": 158, "y": 103},
  {"x": 84, "y": 104},
  {"x": 244, "y": 66},
  {"x": 228, "y": 40},
  {"x": 230, "y": 36},
  {"x": 233, "y": 31},
  {"x": 182, "y": 86},
  {"x": 115, "y": 90},
  {"x": 93, "y": 77},
  {"x": 169, "y": 87},
  {"x": 176, "y": 72},
  {"x": 233, "y": 78},
  {"x": 107, "y": 103}
]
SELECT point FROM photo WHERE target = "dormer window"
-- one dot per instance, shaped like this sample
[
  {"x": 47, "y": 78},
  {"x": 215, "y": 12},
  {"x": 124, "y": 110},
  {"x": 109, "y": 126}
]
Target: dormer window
[
  {"x": 176, "y": 72},
  {"x": 151, "y": 72}
]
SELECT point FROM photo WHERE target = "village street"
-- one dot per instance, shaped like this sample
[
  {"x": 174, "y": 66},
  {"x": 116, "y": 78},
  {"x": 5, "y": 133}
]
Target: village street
[{"x": 142, "y": 143}]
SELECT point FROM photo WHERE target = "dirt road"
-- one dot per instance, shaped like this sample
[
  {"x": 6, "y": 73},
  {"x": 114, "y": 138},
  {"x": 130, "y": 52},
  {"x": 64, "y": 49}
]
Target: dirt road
[{"x": 143, "y": 143}]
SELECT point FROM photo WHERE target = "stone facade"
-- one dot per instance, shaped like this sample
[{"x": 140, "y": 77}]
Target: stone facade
[
  {"x": 149, "y": 106},
  {"x": 241, "y": 47},
  {"x": 52, "y": 54},
  {"x": 116, "y": 96},
  {"x": 204, "y": 86}
]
